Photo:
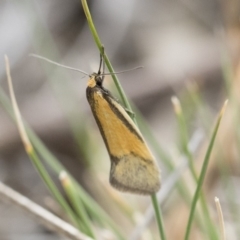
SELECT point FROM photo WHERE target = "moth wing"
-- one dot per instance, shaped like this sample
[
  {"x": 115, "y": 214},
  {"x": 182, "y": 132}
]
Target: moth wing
[
  {"x": 133, "y": 168},
  {"x": 133, "y": 174}
]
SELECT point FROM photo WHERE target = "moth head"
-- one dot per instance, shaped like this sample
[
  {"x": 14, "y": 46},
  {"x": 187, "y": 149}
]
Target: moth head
[{"x": 95, "y": 79}]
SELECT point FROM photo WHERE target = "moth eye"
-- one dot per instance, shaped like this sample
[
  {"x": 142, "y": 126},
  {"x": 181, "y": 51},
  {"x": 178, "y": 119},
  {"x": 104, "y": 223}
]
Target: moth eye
[{"x": 99, "y": 79}]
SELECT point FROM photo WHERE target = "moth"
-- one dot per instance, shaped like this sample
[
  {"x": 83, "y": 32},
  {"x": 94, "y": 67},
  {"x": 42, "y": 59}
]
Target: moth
[{"x": 133, "y": 167}]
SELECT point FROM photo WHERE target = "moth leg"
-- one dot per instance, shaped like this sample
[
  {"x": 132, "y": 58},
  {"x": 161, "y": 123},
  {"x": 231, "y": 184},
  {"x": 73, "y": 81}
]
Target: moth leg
[{"x": 131, "y": 113}]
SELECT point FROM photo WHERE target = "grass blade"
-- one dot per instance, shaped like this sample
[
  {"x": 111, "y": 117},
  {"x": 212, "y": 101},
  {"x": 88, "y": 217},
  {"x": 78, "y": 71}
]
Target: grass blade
[
  {"x": 76, "y": 203},
  {"x": 32, "y": 154},
  {"x": 220, "y": 217},
  {"x": 185, "y": 148},
  {"x": 203, "y": 172},
  {"x": 123, "y": 97}
]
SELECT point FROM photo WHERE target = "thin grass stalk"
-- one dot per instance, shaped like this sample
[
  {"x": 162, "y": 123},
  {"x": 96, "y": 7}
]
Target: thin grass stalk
[
  {"x": 103, "y": 53},
  {"x": 32, "y": 154},
  {"x": 212, "y": 233},
  {"x": 220, "y": 218},
  {"x": 39, "y": 213},
  {"x": 203, "y": 173},
  {"x": 57, "y": 167},
  {"x": 158, "y": 216},
  {"x": 199, "y": 104},
  {"x": 183, "y": 135},
  {"x": 77, "y": 203},
  {"x": 53, "y": 189},
  {"x": 123, "y": 97}
]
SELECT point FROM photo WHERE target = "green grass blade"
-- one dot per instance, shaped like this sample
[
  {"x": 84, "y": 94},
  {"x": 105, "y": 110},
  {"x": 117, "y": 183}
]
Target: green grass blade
[
  {"x": 32, "y": 154},
  {"x": 76, "y": 203},
  {"x": 108, "y": 63},
  {"x": 158, "y": 217},
  {"x": 57, "y": 167},
  {"x": 183, "y": 132},
  {"x": 203, "y": 173},
  {"x": 121, "y": 93}
]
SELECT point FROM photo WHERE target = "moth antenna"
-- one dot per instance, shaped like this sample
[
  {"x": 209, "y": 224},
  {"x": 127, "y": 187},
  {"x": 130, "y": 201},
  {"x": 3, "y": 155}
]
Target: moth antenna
[
  {"x": 128, "y": 70},
  {"x": 58, "y": 64}
]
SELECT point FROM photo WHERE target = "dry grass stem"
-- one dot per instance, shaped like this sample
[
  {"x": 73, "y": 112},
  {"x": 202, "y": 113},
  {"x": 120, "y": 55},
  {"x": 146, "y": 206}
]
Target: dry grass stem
[{"x": 42, "y": 215}]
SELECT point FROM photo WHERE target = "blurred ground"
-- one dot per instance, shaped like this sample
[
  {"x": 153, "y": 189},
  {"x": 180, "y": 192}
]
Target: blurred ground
[{"x": 175, "y": 41}]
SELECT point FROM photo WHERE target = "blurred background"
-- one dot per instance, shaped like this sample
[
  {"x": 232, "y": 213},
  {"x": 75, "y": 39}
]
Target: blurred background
[{"x": 188, "y": 49}]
